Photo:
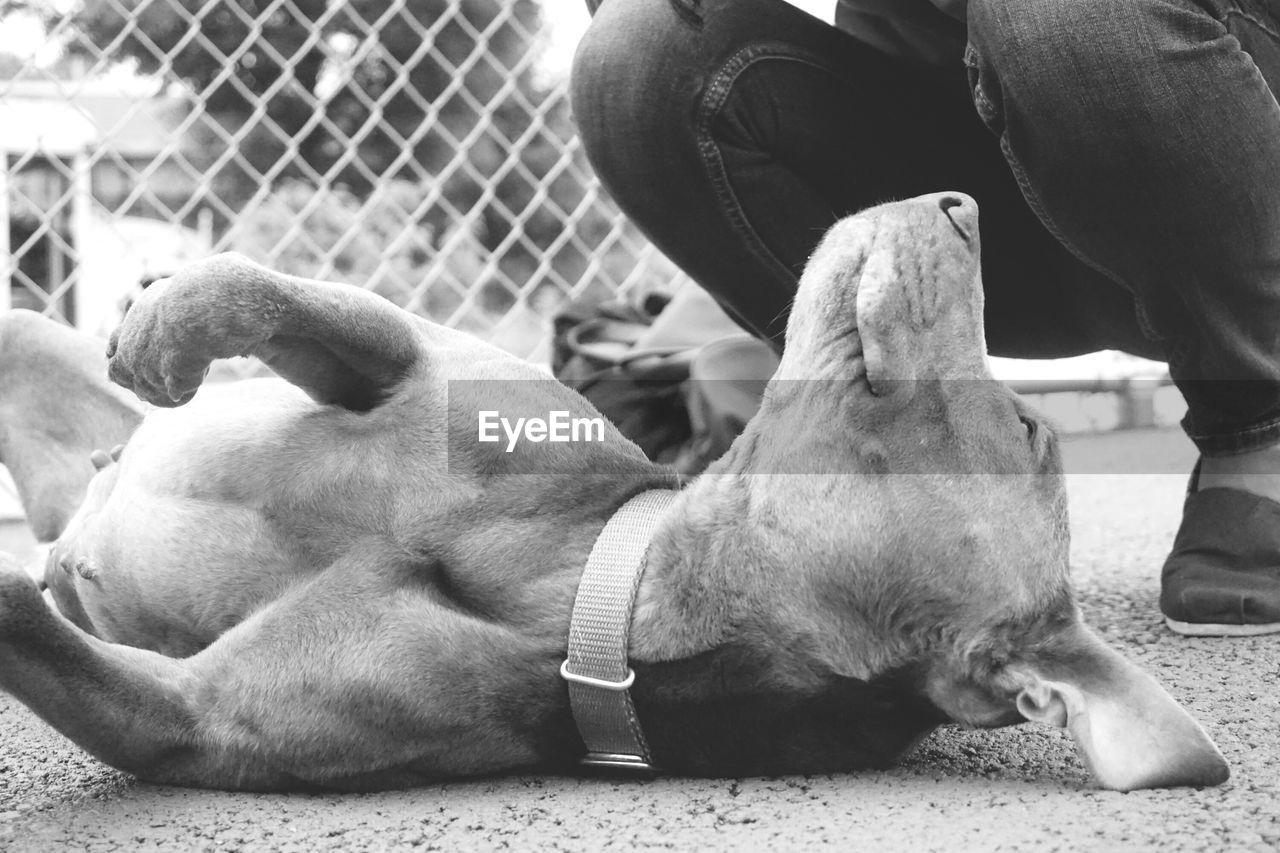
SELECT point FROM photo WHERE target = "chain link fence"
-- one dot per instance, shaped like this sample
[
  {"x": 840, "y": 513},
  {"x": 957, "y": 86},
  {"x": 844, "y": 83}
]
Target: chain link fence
[{"x": 420, "y": 148}]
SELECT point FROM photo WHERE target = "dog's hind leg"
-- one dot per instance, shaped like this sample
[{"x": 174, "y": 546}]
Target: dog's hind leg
[
  {"x": 56, "y": 409},
  {"x": 355, "y": 679},
  {"x": 339, "y": 343}
]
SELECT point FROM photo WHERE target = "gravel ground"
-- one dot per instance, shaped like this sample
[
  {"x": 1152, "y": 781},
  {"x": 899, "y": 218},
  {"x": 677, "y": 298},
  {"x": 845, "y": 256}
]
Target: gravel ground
[{"x": 1013, "y": 789}]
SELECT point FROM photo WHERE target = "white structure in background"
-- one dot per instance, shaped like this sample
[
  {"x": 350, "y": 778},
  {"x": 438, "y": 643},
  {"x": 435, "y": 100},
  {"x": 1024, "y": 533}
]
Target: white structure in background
[
  {"x": 70, "y": 156},
  {"x": 118, "y": 255},
  {"x": 49, "y": 129},
  {"x": 1108, "y": 364}
]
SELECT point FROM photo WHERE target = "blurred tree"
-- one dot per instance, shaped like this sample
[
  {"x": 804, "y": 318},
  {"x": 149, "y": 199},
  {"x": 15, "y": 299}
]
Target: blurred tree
[
  {"x": 358, "y": 86},
  {"x": 254, "y": 71}
]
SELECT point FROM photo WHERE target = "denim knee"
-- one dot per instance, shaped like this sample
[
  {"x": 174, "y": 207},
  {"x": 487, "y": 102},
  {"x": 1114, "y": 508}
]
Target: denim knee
[{"x": 611, "y": 69}]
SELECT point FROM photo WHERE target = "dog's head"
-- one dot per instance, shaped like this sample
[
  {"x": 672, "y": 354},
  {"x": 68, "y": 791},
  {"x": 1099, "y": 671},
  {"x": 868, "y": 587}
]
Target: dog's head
[{"x": 927, "y": 505}]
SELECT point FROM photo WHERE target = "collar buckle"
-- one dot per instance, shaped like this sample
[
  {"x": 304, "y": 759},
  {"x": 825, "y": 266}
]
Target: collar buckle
[{"x": 601, "y": 683}]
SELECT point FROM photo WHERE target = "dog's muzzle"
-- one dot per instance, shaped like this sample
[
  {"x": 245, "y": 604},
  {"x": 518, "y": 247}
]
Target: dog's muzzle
[{"x": 597, "y": 668}]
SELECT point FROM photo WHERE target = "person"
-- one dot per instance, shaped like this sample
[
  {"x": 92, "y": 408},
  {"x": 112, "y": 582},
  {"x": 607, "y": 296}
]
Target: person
[{"x": 1124, "y": 154}]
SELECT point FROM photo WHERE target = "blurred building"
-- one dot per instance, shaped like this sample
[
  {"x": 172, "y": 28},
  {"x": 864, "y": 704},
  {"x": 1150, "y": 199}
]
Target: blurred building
[{"x": 85, "y": 189}]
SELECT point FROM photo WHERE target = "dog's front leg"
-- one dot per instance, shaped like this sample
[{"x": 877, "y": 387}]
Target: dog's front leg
[{"x": 339, "y": 343}]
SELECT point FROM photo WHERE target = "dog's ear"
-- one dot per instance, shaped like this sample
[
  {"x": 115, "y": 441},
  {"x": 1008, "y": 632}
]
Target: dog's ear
[{"x": 1130, "y": 732}]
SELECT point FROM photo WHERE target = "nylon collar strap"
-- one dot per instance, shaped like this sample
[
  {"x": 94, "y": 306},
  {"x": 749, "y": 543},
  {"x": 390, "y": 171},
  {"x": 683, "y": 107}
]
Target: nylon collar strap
[{"x": 597, "y": 668}]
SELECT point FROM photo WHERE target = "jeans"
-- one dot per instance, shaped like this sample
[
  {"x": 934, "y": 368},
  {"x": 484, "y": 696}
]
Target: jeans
[{"x": 1125, "y": 156}]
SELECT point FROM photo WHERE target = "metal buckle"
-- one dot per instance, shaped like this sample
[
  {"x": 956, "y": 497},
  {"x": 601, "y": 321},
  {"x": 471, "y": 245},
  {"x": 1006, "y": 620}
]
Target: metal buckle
[
  {"x": 613, "y": 761},
  {"x": 610, "y": 761},
  {"x": 616, "y": 686}
]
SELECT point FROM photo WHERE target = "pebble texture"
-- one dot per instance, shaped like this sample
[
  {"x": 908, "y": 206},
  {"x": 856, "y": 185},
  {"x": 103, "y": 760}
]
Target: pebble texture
[{"x": 1014, "y": 789}]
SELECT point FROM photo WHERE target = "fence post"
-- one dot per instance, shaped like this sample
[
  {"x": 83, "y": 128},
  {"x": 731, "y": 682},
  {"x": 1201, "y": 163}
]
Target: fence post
[
  {"x": 1137, "y": 404},
  {"x": 6, "y": 256},
  {"x": 79, "y": 227}
]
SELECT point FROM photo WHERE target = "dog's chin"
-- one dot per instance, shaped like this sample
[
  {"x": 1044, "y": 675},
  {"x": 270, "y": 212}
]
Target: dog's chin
[{"x": 840, "y": 359}]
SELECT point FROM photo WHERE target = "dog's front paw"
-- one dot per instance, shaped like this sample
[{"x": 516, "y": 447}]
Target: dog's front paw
[
  {"x": 147, "y": 355},
  {"x": 179, "y": 325}
]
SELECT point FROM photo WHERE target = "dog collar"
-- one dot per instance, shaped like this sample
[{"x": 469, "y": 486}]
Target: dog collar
[{"x": 597, "y": 668}]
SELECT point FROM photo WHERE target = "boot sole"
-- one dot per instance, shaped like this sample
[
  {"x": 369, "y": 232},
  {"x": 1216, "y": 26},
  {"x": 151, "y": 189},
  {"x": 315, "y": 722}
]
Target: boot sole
[{"x": 1210, "y": 629}]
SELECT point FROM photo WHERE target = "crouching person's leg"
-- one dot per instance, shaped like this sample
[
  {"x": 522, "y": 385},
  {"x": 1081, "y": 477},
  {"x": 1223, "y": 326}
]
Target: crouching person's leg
[
  {"x": 735, "y": 132},
  {"x": 1145, "y": 134}
]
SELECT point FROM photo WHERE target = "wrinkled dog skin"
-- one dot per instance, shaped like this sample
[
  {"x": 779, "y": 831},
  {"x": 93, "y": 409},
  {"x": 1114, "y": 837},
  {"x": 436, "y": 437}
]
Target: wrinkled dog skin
[{"x": 317, "y": 582}]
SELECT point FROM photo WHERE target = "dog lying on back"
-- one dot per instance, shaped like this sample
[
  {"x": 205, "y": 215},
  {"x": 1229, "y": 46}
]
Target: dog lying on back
[{"x": 327, "y": 580}]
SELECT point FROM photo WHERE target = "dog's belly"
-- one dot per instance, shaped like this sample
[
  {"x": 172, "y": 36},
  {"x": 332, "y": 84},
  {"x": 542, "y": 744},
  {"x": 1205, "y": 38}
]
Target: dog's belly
[
  {"x": 214, "y": 510},
  {"x": 167, "y": 574}
]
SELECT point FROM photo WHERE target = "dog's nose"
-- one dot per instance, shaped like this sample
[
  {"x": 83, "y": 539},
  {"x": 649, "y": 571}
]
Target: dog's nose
[{"x": 962, "y": 211}]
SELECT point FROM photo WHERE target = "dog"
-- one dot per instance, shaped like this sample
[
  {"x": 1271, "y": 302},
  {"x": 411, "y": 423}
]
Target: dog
[{"x": 327, "y": 580}]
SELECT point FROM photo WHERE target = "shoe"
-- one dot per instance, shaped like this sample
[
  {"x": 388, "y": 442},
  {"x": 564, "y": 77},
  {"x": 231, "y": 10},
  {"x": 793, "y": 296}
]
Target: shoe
[{"x": 1222, "y": 578}]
